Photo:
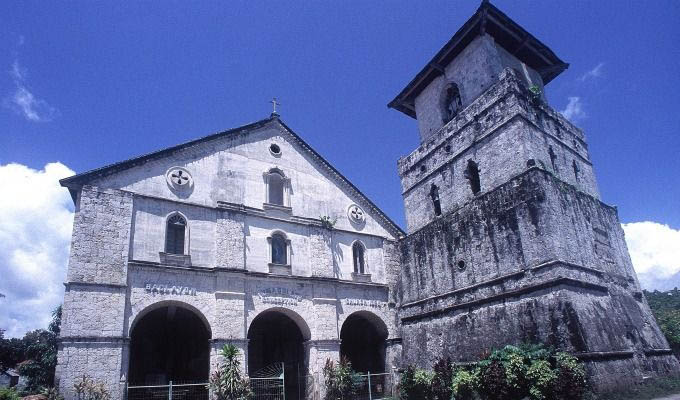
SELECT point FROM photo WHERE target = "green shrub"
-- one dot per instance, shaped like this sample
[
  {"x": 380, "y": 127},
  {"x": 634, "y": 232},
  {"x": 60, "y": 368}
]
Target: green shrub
[
  {"x": 8, "y": 394},
  {"x": 464, "y": 384},
  {"x": 416, "y": 384},
  {"x": 571, "y": 381},
  {"x": 441, "y": 381},
  {"x": 341, "y": 380},
  {"x": 227, "y": 383},
  {"x": 89, "y": 389}
]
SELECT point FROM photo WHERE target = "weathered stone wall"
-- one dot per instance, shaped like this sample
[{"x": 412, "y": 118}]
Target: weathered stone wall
[
  {"x": 92, "y": 338},
  {"x": 230, "y": 240},
  {"x": 501, "y": 131},
  {"x": 474, "y": 71},
  {"x": 101, "y": 232},
  {"x": 533, "y": 260}
]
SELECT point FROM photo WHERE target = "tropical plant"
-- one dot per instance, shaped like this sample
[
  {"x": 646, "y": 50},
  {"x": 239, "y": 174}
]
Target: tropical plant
[
  {"x": 518, "y": 372},
  {"x": 416, "y": 384},
  {"x": 227, "y": 383},
  {"x": 89, "y": 389},
  {"x": 341, "y": 380},
  {"x": 328, "y": 222},
  {"x": 441, "y": 382},
  {"x": 8, "y": 394}
]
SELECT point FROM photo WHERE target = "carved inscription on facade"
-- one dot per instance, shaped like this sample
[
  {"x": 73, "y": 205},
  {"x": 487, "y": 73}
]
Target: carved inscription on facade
[
  {"x": 155, "y": 288},
  {"x": 365, "y": 303},
  {"x": 280, "y": 296}
]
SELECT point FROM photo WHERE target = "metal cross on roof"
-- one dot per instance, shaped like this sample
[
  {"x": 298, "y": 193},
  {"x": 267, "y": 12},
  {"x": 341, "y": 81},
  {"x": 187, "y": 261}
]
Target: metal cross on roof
[{"x": 274, "y": 104}]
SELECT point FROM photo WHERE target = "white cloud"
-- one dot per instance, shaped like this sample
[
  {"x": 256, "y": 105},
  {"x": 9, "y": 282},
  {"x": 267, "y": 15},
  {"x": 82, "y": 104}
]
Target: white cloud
[
  {"x": 596, "y": 72},
  {"x": 35, "y": 236},
  {"x": 574, "y": 110},
  {"x": 25, "y": 103},
  {"x": 655, "y": 251}
]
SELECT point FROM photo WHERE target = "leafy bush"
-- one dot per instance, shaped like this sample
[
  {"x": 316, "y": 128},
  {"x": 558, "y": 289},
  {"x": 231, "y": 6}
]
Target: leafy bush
[
  {"x": 441, "y": 382},
  {"x": 528, "y": 371},
  {"x": 8, "y": 394},
  {"x": 464, "y": 384},
  {"x": 88, "y": 389},
  {"x": 341, "y": 380},
  {"x": 416, "y": 384},
  {"x": 227, "y": 383}
]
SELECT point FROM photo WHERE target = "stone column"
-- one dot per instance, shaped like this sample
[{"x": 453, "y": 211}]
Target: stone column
[{"x": 317, "y": 353}]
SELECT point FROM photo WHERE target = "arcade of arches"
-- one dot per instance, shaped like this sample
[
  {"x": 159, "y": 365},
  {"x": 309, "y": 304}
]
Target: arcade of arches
[{"x": 172, "y": 342}]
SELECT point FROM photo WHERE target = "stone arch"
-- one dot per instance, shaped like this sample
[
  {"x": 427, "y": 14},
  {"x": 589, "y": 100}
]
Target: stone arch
[
  {"x": 144, "y": 309},
  {"x": 362, "y": 341},
  {"x": 276, "y": 339},
  {"x": 169, "y": 342},
  {"x": 297, "y": 318}
]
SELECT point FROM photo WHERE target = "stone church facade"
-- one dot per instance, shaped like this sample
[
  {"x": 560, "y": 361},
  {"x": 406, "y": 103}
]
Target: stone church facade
[{"x": 250, "y": 237}]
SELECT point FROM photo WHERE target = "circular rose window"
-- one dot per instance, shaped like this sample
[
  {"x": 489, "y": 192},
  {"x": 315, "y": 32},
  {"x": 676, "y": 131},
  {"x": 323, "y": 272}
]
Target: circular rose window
[
  {"x": 179, "y": 178},
  {"x": 356, "y": 214}
]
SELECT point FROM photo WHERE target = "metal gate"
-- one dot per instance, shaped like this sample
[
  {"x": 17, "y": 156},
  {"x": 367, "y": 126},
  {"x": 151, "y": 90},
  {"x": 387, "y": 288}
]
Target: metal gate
[
  {"x": 171, "y": 391},
  {"x": 269, "y": 383}
]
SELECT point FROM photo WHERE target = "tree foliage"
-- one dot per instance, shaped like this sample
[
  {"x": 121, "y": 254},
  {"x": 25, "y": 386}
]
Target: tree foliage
[
  {"x": 341, "y": 380},
  {"x": 35, "y": 355},
  {"x": 666, "y": 309},
  {"x": 227, "y": 382}
]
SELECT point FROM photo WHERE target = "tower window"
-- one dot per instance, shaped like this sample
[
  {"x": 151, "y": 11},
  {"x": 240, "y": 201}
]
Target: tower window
[
  {"x": 174, "y": 234},
  {"x": 472, "y": 174},
  {"x": 451, "y": 103},
  {"x": 576, "y": 169},
  {"x": 434, "y": 195},
  {"x": 276, "y": 183},
  {"x": 553, "y": 157},
  {"x": 279, "y": 249},
  {"x": 358, "y": 257}
]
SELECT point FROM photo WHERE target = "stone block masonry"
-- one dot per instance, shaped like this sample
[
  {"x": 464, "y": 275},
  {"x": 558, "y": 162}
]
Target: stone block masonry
[{"x": 534, "y": 260}]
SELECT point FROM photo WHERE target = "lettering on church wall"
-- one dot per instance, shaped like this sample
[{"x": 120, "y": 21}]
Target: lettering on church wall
[
  {"x": 155, "y": 288},
  {"x": 280, "y": 296},
  {"x": 365, "y": 303}
]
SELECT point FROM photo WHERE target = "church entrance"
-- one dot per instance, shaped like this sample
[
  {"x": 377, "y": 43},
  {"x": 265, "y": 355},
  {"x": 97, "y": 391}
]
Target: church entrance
[
  {"x": 169, "y": 347},
  {"x": 275, "y": 341},
  {"x": 362, "y": 341}
]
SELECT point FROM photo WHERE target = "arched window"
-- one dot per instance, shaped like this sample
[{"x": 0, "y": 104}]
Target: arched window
[
  {"x": 175, "y": 233},
  {"x": 434, "y": 195},
  {"x": 279, "y": 249},
  {"x": 276, "y": 187},
  {"x": 472, "y": 175},
  {"x": 451, "y": 103},
  {"x": 358, "y": 256}
]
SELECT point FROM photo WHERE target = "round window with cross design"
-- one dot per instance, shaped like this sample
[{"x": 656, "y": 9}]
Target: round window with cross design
[
  {"x": 356, "y": 214},
  {"x": 179, "y": 178}
]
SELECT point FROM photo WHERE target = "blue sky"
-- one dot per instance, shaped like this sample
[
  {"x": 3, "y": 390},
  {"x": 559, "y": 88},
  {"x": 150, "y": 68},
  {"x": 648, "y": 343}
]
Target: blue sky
[{"x": 91, "y": 83}]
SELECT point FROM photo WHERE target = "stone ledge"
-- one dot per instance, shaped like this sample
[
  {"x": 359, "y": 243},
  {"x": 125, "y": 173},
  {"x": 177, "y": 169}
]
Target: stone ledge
[
  {"x": 604, "y": 355},
  {"x": 560, "y": 281},
  {"x": 227, "y": 295},
  {"x": 70, "y": 284},
  {"x": 140, "y": 265},
  {"x": 502, "y": 279},
  {"x": 93, "y": 339}
]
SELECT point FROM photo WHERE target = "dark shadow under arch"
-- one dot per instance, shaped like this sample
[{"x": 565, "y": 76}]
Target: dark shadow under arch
[
  {"x": 277, "y": 336},
  {"x": 169, "y": 342},
  {"x": 362, "y": 338}
]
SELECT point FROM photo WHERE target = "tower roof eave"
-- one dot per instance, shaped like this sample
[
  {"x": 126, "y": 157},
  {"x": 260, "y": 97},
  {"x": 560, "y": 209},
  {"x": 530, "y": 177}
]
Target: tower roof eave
[{"x": 507, "y": 33}]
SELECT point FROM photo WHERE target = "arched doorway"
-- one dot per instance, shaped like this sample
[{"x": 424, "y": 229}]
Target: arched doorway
[
  {"x": 169, "y": 343},
  {"x": 277, "y": 336},
  {"x": 362, "y": 341}
]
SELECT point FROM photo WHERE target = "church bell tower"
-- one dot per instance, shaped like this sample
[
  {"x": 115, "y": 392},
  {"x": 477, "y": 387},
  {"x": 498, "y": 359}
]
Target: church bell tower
[{"x": 508, "y": 239}]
